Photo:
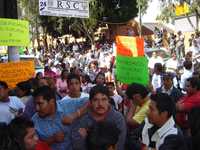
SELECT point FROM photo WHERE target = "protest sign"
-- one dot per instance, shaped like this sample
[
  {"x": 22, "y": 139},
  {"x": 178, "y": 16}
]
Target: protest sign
[
  {"x": 14, "y": 72},
  {"x": 132, "y": 70},
  {"x": 130, "y": 46},
  {"x": 63, "y": 8},
  {"x": 14, "y": 32},
  {"x": 182, "y": 9}
]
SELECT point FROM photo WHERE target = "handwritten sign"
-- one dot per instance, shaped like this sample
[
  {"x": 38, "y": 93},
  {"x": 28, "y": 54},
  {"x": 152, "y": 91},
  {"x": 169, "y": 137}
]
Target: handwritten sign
[
  {"x": 15, "y": 72},
  {"x": 132, "y": 70},
  {"x": 14, "y": 32},
  {"x": 63, "y": 8}
]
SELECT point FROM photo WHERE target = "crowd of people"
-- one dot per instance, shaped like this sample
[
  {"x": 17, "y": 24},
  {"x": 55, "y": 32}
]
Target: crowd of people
[{"x": 78, "y": 104}]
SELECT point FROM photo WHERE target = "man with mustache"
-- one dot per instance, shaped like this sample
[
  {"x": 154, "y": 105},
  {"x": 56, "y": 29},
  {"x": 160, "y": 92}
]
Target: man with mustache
[{"x": 100, "y": 111}]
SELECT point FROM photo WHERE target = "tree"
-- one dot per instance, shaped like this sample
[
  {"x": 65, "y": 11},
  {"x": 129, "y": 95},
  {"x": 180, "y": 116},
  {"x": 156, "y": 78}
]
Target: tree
[
  {"x": 110, "y": 11},
  {"x": 168, "y": 11}
]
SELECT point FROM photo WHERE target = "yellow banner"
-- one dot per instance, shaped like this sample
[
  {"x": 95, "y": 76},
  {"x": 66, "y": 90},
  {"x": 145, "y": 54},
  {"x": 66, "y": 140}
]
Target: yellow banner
[
  {"x": 182, "y": 9},
  {"x": 14, "y": 32},
  {"x": 15, "y": 72}
]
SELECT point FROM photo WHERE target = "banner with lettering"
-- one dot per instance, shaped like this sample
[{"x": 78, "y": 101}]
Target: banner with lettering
[
  {"x": 14, "y": 72},
  {"x": 131, "y": 64},
  {"x": 14, "y": 32},
  {"x": 63, "y": 8}
]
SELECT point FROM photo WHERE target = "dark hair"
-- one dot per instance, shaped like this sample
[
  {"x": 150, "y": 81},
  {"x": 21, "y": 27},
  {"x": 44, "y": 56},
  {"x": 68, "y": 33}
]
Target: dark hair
[
  {"x": 7, "y": 141},
  {"x": 37, "y": 74},
  {"x": 136, "y": 88},
  {"x": 73, "y": 76},
  {"x": 164, "y": 103},
  {"x": 99, "y": 74},
  {"x": 99, "y": 89},
  {"x": 18, "y": 130},
  {"x": 87, "y": 78},
  {"x": 46, "y": 92},
  {"x": 187, "y": 64},
  {"x": 4, "y": 84},
  {"x": 159, "y": 67},
  {"x": 110, "y": 84},
  {"x": 62, "y": 73},
  {"x": 194, "y": 82},
  {"x": 25, "y": 86},
  {"x": 102, "y": 136},
  {"x": 167, "y": 76}
]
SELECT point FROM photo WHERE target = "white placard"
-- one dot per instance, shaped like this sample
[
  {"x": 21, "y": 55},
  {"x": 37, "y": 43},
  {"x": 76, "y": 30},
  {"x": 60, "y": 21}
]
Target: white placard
[{"x": 64, "y": 8}]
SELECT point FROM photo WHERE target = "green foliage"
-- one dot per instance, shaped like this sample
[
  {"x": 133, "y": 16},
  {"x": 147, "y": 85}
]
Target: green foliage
[
  {"x": 100, "y": 11},
  {"x": 167, "y": 13}
]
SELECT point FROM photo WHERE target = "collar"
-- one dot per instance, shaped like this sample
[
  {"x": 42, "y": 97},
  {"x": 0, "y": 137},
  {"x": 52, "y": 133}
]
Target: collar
[
  {"x": 166, "y": 127},
  {"x": 167, "y": 91}
]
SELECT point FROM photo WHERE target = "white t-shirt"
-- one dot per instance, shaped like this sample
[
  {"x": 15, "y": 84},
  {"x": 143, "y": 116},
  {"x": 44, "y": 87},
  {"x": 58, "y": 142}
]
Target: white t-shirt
[
  {"x": 9, "y": 109},
  {"x": 117, "y": 99},
  {"x": 153, "y": 61},
  {"x": 186, "y": 74},
  {"x": 83, "y": 95},
  {"x": 156, "y": 81},
  {"x": 171, "y": 65}
]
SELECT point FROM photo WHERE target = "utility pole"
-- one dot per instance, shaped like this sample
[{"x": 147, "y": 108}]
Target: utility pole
[{"x": 140, "y": 17}]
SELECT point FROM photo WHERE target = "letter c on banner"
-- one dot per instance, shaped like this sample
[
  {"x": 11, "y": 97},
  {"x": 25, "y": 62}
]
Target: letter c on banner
[{"x": 76, "y": 4}]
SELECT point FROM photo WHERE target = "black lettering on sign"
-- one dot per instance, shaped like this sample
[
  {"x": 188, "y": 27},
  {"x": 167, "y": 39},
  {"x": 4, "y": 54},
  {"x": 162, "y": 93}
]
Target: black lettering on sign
[
  {"x": 76, "y": 5},
  {"x": 68, "y": 4},
  {"x": 59, "y": 4}
]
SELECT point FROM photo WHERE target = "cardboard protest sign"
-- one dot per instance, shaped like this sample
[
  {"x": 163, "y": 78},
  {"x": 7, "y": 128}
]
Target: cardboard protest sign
[
  {"x": 15, "y": 72},
  {"x": 14, "y": 32},
  {"x": 131, "y": 64},
  {"x": 132, "y": 69}
]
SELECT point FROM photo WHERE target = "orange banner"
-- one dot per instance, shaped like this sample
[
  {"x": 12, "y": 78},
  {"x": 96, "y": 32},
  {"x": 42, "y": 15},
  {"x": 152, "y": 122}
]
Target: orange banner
[
  {"x": 15, "y": 72},
  {"x": 130, "y": 46}
]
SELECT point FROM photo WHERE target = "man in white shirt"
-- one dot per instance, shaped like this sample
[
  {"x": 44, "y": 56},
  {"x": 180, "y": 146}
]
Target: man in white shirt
[
  {"x": 10, "y": 106},
  {"x": 187, "y": 73},
  {"x": 157, "y": 76},
  {"x": 194, "y": 48},
  {"x": 172, "y": 64},
  {"x": 117, "y": 98},
  {"x": 153, "y": 60}
]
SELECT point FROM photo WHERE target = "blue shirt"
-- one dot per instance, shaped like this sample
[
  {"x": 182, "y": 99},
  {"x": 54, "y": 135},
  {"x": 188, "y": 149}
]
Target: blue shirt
[
  {"x": 70, "y": 105},
  {"x": 48, "y": 126}
]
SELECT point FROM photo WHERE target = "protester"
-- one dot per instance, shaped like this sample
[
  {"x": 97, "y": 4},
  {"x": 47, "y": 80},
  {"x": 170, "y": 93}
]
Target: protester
[
  {"x": 186, "y": 74},
  {"x": 137, "y": 112},
  {"x": 61, "y": 84},
  {"x": 48, "y": 120},
  {"x": 23, "y": 133},
  {"x": 23, "y": 91},
  {"x": 169, "y": 88},
  {"x": 167, "y": 136},
  {"x": 98, "y": 139},
  {"x": 10, "y": 106},
  {"x": 157, "y": 76},
  {"x": 117, "y": 98},
  {"x": 100, "y": 111}
]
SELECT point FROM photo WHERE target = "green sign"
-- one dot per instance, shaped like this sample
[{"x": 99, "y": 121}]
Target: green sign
[
  {"x": 132, "y": 70},
  {"x": 14, "y": 32}
]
